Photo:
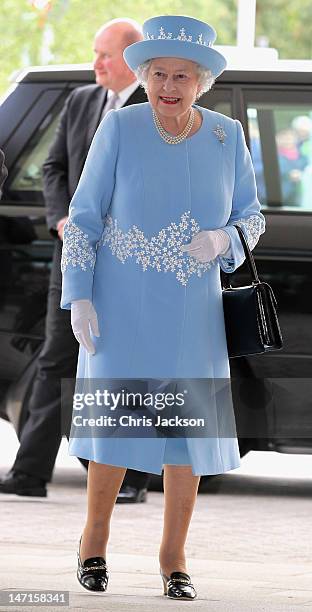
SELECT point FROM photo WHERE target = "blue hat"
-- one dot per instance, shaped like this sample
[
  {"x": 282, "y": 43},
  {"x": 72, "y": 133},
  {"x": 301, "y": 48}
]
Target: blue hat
[{"x": 176, "y": 36}]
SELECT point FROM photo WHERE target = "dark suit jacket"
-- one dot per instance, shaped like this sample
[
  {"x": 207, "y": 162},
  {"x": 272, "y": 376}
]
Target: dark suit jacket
[{"x": 62, "y": 169}]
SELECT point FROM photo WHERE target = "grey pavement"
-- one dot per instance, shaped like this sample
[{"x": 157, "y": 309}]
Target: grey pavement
[{"x": 249, "y": 545}]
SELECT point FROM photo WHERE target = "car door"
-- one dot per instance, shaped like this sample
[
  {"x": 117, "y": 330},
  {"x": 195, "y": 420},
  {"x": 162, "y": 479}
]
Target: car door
[
  {"x": 276, "y": 112},
  {"x": 279, "y": 121}
]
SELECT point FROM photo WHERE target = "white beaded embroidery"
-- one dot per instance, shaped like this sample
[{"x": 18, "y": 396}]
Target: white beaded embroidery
[
  {"x": 181, "y": 36},
  {"x": 162, "y": 252},
  {"x": 77, "y": 250},
  {"x": 254, "y": 226}
]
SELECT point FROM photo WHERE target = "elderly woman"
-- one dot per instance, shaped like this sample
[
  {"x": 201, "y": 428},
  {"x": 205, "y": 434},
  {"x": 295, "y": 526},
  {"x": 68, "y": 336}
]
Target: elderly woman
[{"x": 150, "y": 226}]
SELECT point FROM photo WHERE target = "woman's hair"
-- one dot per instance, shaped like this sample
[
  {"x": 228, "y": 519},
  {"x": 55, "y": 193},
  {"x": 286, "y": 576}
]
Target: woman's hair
[{"x": 206, "y": 80}]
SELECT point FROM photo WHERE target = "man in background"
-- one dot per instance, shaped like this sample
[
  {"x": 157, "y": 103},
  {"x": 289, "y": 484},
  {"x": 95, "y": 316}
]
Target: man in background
[{"x": 84, "y": 108}]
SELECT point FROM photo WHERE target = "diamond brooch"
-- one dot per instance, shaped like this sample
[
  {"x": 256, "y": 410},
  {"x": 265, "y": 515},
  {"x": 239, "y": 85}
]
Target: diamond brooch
[{"x": 220, "y": 133}]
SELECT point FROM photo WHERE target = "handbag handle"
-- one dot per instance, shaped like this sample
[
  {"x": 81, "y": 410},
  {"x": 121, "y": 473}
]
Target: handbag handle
[{"x": 249, "y": 256}]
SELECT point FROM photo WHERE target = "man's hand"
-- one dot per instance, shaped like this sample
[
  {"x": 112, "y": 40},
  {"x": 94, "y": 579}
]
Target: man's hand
[
  {"x": 60, "y": 227},
  {"x": 84, "y": 317},
  {"x": 207, "y": 245}
]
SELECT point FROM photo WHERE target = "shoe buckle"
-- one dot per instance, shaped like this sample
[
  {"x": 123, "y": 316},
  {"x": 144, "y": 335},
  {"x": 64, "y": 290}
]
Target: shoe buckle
[{"x": 94, "y": 567}]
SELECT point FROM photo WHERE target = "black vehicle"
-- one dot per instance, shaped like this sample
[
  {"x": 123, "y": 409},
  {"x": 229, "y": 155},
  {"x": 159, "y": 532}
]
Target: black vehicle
[{"x": 272, "y": 392}]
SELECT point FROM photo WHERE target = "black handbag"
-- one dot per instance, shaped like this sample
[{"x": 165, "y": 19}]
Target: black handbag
[{"x": 250, "y": 316}]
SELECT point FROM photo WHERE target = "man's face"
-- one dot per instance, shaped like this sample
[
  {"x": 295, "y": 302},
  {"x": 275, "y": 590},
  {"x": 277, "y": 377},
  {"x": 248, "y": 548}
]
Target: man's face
[{"x": 111, "y": 71}]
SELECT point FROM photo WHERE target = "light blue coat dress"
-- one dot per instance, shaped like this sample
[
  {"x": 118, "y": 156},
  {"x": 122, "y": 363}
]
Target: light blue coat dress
[{"x": 159, "y": 309}]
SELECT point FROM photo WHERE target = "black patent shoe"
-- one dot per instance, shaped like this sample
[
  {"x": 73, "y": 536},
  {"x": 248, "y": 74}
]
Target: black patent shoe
[
  {"x": 178, "y": 586},
  {"x": 92, "y": 573}
]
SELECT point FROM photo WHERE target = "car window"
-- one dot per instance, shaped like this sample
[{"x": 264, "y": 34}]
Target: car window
[
  {"x": 224, "y": 108},
  {"x": 280, "y": 139},
  {"x": 27, "y": 171},
  {"x": 219, "y": 100}
]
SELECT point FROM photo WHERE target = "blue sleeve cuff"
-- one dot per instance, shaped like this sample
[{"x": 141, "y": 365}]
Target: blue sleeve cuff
[
  {"x": 76, "y": 287},
  {"x": 235, "y": 257}
]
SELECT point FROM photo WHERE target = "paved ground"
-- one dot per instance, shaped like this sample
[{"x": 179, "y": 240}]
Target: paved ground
[{"x": 249, "y": 546}]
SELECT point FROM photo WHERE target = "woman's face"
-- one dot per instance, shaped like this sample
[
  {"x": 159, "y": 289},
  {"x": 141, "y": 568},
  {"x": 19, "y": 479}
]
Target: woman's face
[{"x": 172, "y": 85}]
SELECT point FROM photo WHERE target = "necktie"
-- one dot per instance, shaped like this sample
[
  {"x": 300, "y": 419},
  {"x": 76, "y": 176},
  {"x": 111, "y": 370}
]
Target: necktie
[{"x": 111, "y": 103}]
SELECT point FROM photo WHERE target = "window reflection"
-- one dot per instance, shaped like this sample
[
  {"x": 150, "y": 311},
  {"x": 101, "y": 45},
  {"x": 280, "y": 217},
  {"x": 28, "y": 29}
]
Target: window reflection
[{"x": 285, "y": 136}]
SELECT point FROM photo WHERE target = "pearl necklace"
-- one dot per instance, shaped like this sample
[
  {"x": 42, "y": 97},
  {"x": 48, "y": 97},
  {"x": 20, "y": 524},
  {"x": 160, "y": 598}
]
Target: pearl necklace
[{"x": 179, "y": 137}]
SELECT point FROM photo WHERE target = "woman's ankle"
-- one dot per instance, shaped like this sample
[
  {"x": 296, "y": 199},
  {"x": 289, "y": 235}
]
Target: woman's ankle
[
  {"x": 173, "y": 567},
  {"x": 93, "y": 543},
  {"x": 172, "y": 563}
]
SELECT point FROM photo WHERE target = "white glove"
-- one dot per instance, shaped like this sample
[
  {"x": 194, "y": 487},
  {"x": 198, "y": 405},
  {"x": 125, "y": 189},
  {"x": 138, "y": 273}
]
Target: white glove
[
  {"x": 208, "y": 244},
  {"x": 84, "y": 317}
]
